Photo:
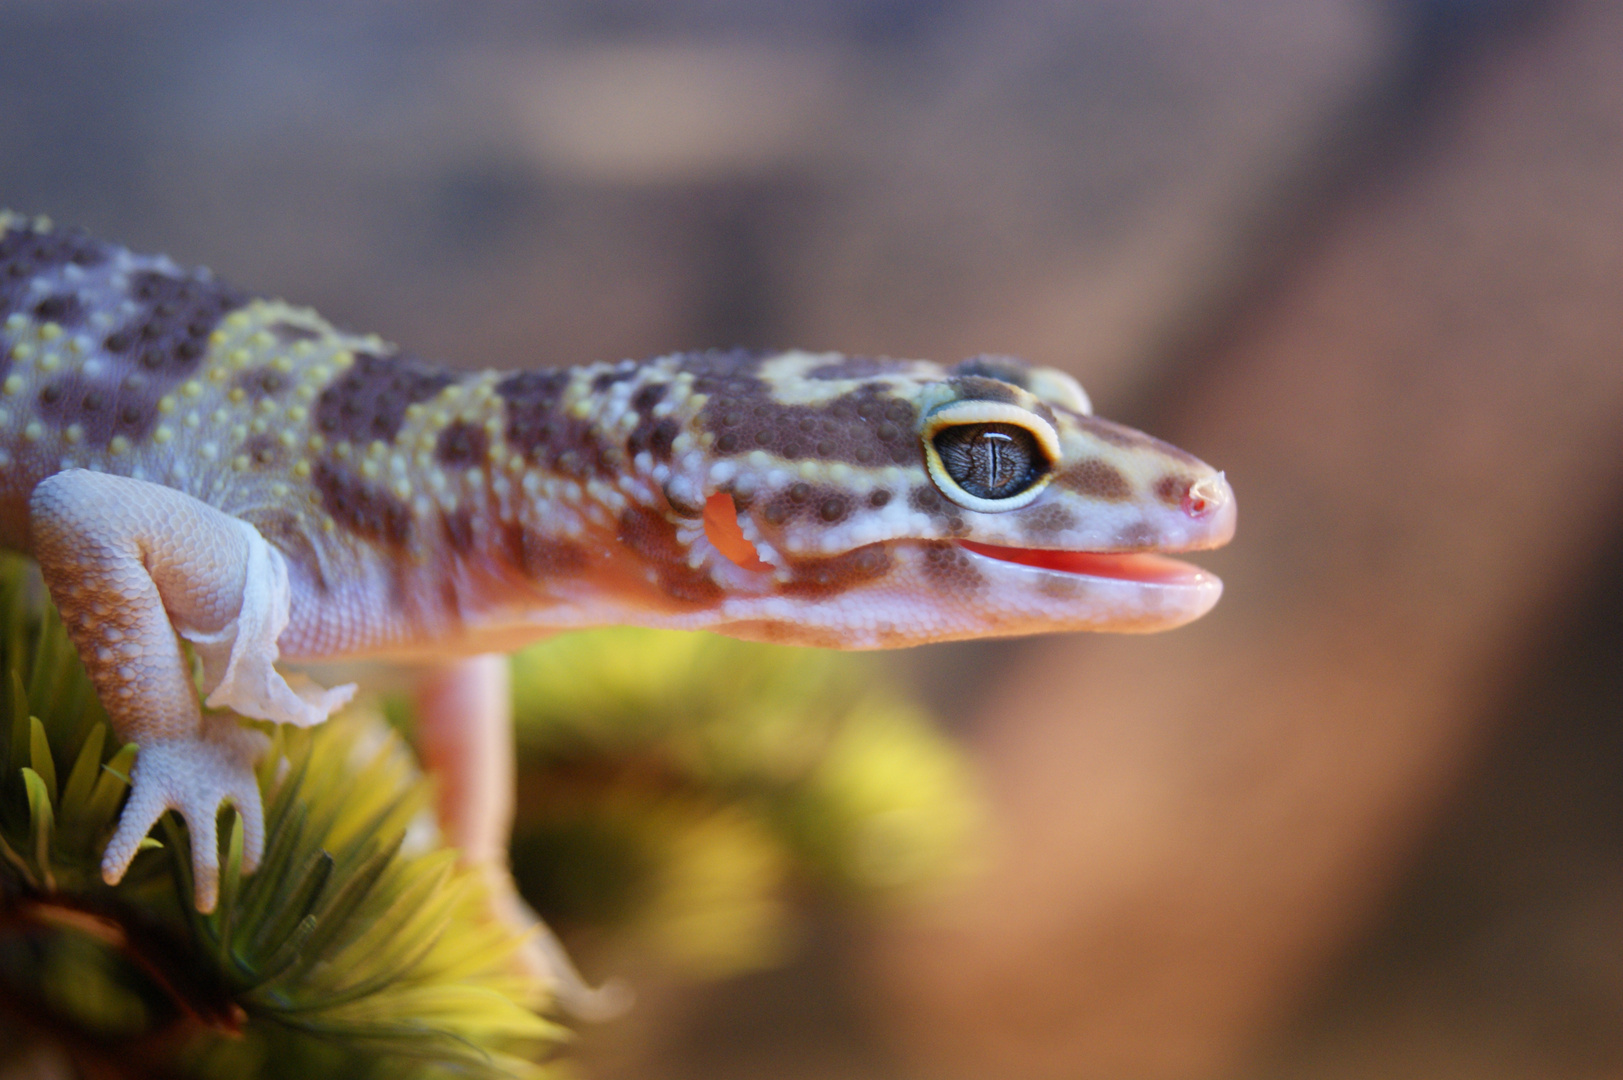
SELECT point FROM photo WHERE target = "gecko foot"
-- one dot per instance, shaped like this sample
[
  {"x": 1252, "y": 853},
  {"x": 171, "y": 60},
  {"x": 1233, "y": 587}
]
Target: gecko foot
[
  {"x": 194, "y": 775},
  {"x": 544, "y": 957}
]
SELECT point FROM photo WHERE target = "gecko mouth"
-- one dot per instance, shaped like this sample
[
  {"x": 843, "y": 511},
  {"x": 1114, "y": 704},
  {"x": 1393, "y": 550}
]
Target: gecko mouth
[{"x": 1135, "y": 566}]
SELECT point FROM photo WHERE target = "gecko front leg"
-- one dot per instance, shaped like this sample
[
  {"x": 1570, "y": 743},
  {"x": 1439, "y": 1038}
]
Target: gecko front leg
[{"x": 131, "y": 565}]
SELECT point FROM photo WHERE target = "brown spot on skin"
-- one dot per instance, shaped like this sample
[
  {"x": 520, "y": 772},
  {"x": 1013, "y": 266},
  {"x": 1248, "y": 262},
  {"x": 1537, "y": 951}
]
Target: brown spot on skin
[
  {"x": 1058, "y": 586},
  {"x": 1096, "y": 479},
  {"x": 101, "y": 406},
  {"x": 980, "y": 388},
  {"x": 1047, "y": 518},
  {"x": 1172, "y": 488},
  {"x": 743, "y": 415},
  {"x": 656, "y": 437},
  {"x": 154, "y": 350},
  {"x": 361, "y": 508},
  {"x": 538, "y": 428},
  {"x": 462, "y": 445},
  {"x": 1136, "y": 537},
  {"x": 1007, "y": 369},
  {"x": 648, "y": 396},
  {"x": 63, "y": 309},
  {"x": 950, "y": 569},
  {"x": 609, "y": 378},
  {"x": 650, "y": 536},
  {"x": 817, "y": 578},
  {"x": 369, "y": 401},
  {"x": 879, "y": 498},
  {"x": 290, "y": 333},
  {"x": 25, "y": 254}
]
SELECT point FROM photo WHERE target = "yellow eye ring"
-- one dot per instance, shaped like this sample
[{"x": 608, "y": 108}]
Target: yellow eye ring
[{"x": 995, "y": 415}]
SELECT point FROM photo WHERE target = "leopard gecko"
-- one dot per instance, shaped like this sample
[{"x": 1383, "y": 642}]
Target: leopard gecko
[{"x": 189, "y": 461}]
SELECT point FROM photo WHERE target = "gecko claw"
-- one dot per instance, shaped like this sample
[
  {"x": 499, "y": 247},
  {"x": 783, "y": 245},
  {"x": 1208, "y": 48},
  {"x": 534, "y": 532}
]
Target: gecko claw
[{"x": 194, "y": 775}]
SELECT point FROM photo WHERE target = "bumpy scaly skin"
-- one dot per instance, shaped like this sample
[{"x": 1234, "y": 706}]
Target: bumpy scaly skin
[{"x": 411, "y": 511}]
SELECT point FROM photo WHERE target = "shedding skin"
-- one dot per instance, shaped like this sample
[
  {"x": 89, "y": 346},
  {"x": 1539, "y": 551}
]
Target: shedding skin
[{"x": 189, "y": 461}]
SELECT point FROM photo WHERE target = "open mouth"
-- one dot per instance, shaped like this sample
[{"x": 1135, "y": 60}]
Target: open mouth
[{"x": 1136, "y": 566}]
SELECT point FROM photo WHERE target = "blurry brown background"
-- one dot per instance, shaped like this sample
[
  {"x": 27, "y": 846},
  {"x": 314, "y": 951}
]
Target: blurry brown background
[{"x": 1367, "y": 818}]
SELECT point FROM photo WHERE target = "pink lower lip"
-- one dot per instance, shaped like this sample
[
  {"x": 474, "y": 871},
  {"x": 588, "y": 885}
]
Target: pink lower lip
[{"x": 1151, "y": 569}]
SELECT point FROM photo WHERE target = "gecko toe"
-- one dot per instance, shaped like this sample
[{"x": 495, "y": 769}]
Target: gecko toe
[{"x": 194, "y": 776}]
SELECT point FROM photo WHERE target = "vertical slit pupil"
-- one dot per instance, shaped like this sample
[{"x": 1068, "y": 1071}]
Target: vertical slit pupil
[{"x": 990, "y": 461}]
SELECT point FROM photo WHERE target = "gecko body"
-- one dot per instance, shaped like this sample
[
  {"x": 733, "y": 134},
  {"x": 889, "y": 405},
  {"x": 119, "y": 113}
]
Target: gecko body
[{"x": 185, "y": 458}]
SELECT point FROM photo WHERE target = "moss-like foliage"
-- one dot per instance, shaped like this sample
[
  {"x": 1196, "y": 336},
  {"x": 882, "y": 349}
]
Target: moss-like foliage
[
  {"x": 355, "y": 950},
  {"x": 677, "y": 790}
]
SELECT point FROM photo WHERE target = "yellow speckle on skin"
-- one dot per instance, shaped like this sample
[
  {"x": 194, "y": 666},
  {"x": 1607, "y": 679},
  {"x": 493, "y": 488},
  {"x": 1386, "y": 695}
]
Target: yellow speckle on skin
[
  {"x": 298, "y": 414},
  {"x": 240, "y": 357},
  {"x": 193, "y": 420},
  {"x": 191, "y": 388},
  {"x": 343, "y": 358},
  {"x": 237, "y": 395},
  {"x": 240, "y": 463},
  {"x": 50, "y": 361},
  {"x": 301, "y": 468},
  {"x": 267, "y": 406},
  {"x": 261, "y": 339},
  {"x": 208, "y": 451},
  {"x": 259, "y": 426},
  {"x": 163, "y": 434},
  {"x": 34, "y": 431},
  {"x": 218, "y": 373},
  {"x": 13, "y": 385},
  {"x": 239, "y": 432},
  {"x": 50, "y": 332},
  {"x": 119, "y": 445},
  {"x": 287, "y": 438},
  {"x": 166, "y": 404},
  {"x": 16, "y": 321},
  {"x": 316, "y": 444},
  {"x": 22, "y": 351},
  {"x": 280, "y": 490},
  {"x": 74, "y": 433},
  {"x": 370, "y": 469},
  {"x": 402, "y": 488}
]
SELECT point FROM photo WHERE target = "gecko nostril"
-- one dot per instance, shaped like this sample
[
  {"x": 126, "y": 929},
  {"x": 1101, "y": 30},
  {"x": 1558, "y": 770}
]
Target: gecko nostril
[{"x": 1206, "y": 496}]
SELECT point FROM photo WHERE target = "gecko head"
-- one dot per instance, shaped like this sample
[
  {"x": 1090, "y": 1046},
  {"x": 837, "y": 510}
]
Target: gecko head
[{"x": 866, "y": 503}]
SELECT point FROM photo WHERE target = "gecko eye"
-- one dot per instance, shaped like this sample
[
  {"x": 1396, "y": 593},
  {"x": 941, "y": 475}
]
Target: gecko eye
[
  {"x": 990, "y": 461},
  {"x": 989, "y": 456}
]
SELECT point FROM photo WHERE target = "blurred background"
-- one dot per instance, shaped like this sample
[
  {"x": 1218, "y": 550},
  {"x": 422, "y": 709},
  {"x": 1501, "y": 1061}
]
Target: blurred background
[{"x": 1367, "y": 255}]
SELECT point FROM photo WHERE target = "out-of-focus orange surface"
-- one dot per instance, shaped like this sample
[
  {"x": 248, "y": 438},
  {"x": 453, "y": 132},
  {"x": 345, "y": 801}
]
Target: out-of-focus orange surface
[{"x": 1365, "y": 256}]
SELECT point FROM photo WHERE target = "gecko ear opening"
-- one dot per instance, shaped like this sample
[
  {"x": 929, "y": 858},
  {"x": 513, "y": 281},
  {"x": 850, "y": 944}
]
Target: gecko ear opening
[{"x": 721, "y": 528}]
